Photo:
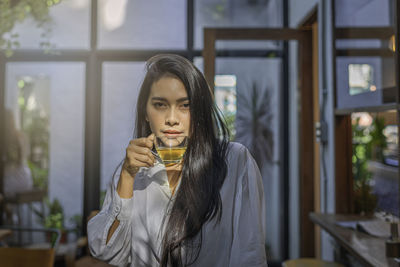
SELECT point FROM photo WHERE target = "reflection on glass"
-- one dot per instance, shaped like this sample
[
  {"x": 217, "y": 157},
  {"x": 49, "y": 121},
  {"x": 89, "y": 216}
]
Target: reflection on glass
[
  {"x": 34, "y": 111},
  {"x": 363, "y": 13},
  {"x": 237, "y": 13},
  {"x": 68, "y": 28},
  {"x": 257, "y": 125},
  {"x": 359, "y": 43},
  {"x": 391, "y": 152},
  {"x": 225, "y": 98},
  {"x": 114, "y": 14},
  {"x": 361, "y": 78},
  {"x": 375, "y": 161},
  {"x": 48, "y": 102},
  {"x": 365, "y": 81},
  {"x": 137, "y": 24},
  {"x": 121, "y": 83}
]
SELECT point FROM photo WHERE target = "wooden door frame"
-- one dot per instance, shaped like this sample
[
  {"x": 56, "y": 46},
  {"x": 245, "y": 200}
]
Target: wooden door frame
[
  {"x": 311, "y": 21},
  {"x": 306, "y": 154}
]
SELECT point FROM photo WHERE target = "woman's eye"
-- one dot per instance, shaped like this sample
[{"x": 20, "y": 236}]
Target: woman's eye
[
  {"x": 186, "y": 106},
  {"x": 158, "y": 104}
]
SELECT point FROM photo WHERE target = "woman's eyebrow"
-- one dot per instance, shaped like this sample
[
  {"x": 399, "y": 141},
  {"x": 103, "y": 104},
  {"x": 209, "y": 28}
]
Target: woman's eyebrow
[
  {"x": 159, "y": 98},
  {"x": 165, "y": 100},
  {"x": 182, "y": 99}
]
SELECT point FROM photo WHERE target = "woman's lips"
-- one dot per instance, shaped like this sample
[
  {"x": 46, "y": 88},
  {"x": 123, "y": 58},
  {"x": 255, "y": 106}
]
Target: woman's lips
[{"x": 172, "y": 133}]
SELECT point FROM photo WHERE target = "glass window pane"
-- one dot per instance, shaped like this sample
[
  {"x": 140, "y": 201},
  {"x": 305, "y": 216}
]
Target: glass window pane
[
  {"x": 47, "y": 101},
  {"x": 142, "y": 24},
  {"x": 248, "y": 44},
  {"x": 375, "y": 162},
  {"x": 365, "y": 81},
  {"x": 121, "y": 82},
  {"x": 70, "y": 27},
  {"x": 237, "y": 13},
  {"x": 359, "y": 44},
  {"x": 364, "y": 13},
  {"x": 257, "y": 83}
]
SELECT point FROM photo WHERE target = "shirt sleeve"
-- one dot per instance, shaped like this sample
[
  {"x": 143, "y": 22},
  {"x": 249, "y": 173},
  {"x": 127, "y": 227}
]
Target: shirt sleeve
[
  {"x": 118, "y": 249},
  {"x": 248, "y": 247}
]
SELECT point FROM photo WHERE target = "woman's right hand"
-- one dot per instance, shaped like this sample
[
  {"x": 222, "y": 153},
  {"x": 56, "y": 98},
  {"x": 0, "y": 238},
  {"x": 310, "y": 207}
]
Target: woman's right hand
[{"x": 138, "y": 154}]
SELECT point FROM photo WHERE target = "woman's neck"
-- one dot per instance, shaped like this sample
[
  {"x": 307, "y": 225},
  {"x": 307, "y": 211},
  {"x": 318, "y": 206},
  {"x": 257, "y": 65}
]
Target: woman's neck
[
  {"x": 174, "y": 173},
  {"x": 173, "y": 179}
]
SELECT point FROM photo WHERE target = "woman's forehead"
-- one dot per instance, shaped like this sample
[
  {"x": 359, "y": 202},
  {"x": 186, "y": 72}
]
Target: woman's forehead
[{"x": 169, "y": 88}]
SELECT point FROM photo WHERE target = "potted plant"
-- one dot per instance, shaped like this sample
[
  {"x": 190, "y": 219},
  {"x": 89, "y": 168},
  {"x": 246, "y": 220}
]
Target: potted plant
[{"x": 53, "y": 218}]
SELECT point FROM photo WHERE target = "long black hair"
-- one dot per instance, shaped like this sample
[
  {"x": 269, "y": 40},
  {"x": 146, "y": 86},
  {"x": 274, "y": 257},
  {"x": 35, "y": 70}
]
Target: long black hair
[{"x": 204, "y": 167}]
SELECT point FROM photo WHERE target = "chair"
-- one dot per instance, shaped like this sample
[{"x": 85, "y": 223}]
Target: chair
[
  {"x": 21, "y": 198},
  {"x": 26, "y": 197},
  {"x": 17, "y": 257},
  {"x": 18, "y": 254},
  {"x": 309, "y": 262}
]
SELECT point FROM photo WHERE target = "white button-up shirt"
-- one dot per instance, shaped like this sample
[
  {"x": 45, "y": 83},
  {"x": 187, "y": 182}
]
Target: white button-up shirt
[{"x": 238, "y": 240}]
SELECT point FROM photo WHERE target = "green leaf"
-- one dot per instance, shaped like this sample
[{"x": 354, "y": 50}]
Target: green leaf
[{"x": 9, "y": 52}]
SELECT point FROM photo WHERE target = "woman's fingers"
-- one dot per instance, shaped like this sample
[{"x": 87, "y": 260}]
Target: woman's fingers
[
  {"x": 151, "y": 137},
  {"x": 138, "y": 150},
  {"x": 144, "y": 158},
  {"x": 142, "y": 142},
  {"x": 138, "y": 163},
  {"x": 138, "y": 153},
  {"x": 132, "y": 165}
]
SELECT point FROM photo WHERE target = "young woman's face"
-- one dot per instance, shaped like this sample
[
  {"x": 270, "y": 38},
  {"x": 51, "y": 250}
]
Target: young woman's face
[{"x": 167, "y": 108}]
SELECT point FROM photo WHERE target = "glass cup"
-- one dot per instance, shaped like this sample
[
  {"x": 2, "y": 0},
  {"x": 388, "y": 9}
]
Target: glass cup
[{"x": 171, "y": 148}]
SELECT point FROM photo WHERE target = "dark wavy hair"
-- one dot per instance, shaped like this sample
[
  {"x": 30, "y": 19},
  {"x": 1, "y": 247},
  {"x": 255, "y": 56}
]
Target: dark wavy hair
[{"x": 204, "y": 167}]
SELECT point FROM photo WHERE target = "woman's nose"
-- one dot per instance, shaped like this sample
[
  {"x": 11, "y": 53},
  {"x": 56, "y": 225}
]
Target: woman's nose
[{"x": 171, "y": 118}]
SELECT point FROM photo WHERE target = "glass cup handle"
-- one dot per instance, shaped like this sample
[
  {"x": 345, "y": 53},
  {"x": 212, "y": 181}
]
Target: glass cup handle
[{"x": 156, "y": 155}]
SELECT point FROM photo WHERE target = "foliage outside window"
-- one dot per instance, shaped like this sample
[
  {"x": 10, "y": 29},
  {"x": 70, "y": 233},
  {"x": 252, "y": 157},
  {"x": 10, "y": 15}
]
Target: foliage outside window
[
  {"x": 225, "y": 98},
  {"x": 369, "y": 142},
  {"x": 16, "y": 11},
  {"x": 35, "y": 124}
]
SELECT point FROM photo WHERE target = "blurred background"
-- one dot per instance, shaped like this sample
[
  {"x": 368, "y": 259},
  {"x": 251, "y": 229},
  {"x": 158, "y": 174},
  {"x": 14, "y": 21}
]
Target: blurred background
[{"x": 308, "y": 86}]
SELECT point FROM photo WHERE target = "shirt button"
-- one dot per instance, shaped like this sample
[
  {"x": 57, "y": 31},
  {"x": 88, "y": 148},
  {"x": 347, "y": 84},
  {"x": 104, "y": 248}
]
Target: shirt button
[{"x": 116, "y": 209}]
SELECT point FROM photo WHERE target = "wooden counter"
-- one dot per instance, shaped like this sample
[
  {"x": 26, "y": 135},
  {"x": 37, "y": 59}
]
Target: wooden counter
[{"x": 367, "y": 249}]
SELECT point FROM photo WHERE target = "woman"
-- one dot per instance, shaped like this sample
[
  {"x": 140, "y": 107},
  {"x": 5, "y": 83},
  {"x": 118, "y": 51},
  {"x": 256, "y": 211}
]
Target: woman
[
  {"x": 207, "y": 210},
  {"x": 17, "y": 175}
]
